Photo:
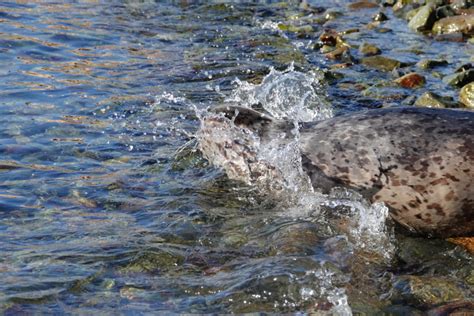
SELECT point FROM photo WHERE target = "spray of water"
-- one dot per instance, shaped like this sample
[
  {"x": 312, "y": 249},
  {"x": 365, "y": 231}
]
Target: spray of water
[{"x": 286, "y": 95}]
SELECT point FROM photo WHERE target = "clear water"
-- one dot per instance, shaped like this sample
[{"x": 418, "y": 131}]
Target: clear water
[{"x": 106, "y": 206}]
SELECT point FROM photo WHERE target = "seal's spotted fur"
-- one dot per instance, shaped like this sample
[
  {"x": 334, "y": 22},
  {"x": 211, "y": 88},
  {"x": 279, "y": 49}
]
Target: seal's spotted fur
[{"x": 420, "y": 162}]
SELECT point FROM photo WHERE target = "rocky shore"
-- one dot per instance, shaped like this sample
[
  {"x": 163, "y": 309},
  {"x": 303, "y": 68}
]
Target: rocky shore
[{"x": 438, "y": 21}]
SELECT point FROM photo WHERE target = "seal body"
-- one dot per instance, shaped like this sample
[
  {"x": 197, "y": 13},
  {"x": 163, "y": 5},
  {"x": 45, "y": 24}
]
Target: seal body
[{"x": 418, "y": 161}]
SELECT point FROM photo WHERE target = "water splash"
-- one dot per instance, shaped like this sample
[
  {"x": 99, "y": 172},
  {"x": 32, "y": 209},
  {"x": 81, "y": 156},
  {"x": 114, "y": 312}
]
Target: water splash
[
  {"x": 273, "y": 164},
  {"x": 335, "y": 295},
  {"x": 367, "y": 222},
  {"x": 289, "y": 95}
]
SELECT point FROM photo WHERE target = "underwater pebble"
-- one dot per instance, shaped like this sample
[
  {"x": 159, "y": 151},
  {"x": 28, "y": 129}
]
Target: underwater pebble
[
  {"x": 362, "y": 5},
  {"x": 381, "y": 63},
  {"x": 368, "y": 49},
  {"x": 427, "y": 291}
]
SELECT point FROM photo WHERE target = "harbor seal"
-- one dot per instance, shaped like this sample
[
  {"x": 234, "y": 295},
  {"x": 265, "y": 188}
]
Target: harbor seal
[{"x": 418, "y": 161}]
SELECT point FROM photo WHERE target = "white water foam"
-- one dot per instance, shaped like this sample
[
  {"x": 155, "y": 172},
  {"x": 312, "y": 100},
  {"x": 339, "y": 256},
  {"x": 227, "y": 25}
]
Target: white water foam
[
  {"x": 367, "y": 222},
  {"x": 286, "y": 95}
]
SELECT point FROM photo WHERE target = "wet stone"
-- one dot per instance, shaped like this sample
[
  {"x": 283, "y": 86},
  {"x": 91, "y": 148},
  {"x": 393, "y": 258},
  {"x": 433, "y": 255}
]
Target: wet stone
[
  {"x": 326, "y": 49},
  {"x": 380, "y": 17},
  {"x": 460, "y": 79},
  {"x": 389, "y": 3},
  {"x": 460, "y": 4},
  {"x": 444, "y": 11},
  {"x": 466, "y": 95},
  {"x": 381, "y": 63},
  {"x": 455, "y": 24},
  {"x": 332, "y": 14},
  {"x": 362, "y": 5},
  {"x": 464, "y": 67},
  {"x": 433, "y": 100},
  {"x": 330, "y": 38},
  {"x": 411, "y": 80},
  {"x": 368, "y": 49},
  {"x": 340, "y": 53},
  {"x": 431, "y": 63},
  {"x": 402, "y": 5},
  {"x": 462, "y": 308},
  {"x": 426, "y": 291},
  {"x": 300, "y": 30},
  {"x": 424, "y": 19},
  {"x": 152, "y": 261},
  {"x": 299, "y": 238}
]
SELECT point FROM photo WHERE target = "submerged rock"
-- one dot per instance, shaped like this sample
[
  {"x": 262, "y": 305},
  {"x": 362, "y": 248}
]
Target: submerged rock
[
  {"x": 341, "y": 52},
  {"x": 466, "y": 95},
  {"x": 411, "y": 80},
  {"x": 368, "y": 49},
  {"x": 330, "y": 38},
  {"x": 426, "y": 291},
  {"x": 381, "y": 63},
  {"x": 362, "y": 5}
]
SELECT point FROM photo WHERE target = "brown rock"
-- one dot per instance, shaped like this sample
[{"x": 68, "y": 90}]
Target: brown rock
[
  {"x": 330, "y": 38},
  {"x": 367, "y": 49},
  {"x": 455, "y": 24},
  {"x": 411, "y": 80},
  {"x": 466, "y": 242},
  {"x": 338, "y": 52},
  {"x": 362, "y": 5}
]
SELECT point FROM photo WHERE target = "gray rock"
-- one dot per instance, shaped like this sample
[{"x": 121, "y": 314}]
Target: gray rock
[
  {"x": 460, "y": 79},
  {"x": 423, "y": 19}
]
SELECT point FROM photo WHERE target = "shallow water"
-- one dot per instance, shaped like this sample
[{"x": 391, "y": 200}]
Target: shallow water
[{"x": 106, "y": 205}]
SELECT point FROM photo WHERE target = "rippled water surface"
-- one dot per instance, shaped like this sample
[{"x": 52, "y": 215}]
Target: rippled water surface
[{"x": 106, "y": 205}]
